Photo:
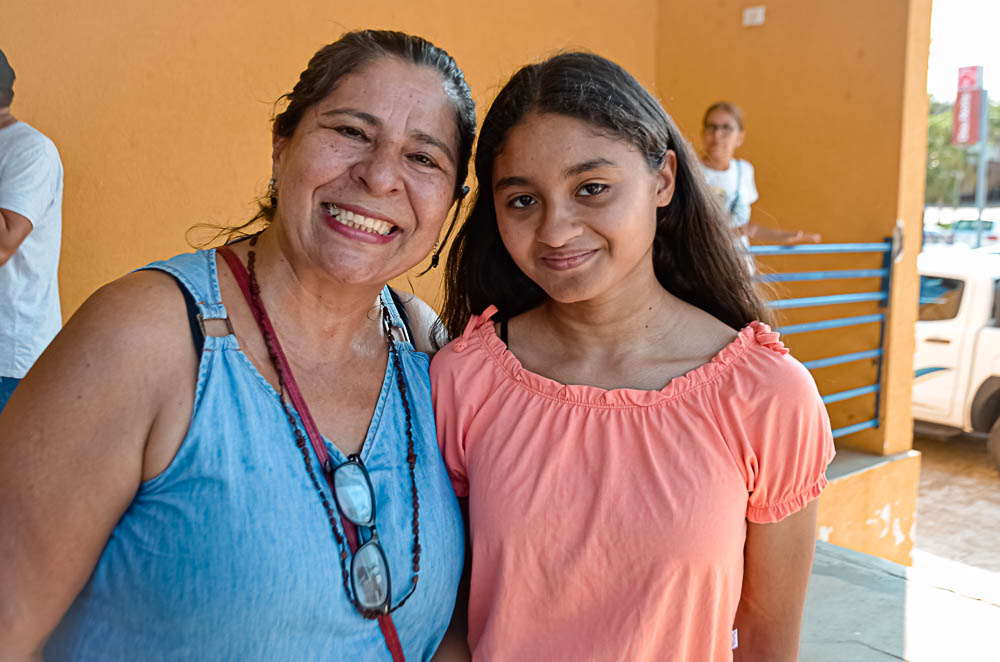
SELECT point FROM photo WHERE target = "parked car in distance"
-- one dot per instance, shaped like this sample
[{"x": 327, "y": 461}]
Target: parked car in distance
[
  {"x": 935, "y": 235},
  {"x": 957, "y": 358},
  {"x": 965, "y": 232}
]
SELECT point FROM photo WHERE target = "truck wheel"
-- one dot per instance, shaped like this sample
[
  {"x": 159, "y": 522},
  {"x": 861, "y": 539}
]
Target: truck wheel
[{"x": 993, "y": 444}]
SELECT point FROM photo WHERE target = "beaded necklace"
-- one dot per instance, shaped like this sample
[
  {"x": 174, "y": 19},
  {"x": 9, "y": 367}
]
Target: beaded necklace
[{"x": 300, "y": 440}]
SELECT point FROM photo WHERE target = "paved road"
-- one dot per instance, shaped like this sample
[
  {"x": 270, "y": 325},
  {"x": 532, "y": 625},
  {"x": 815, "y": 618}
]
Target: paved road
[{"x": 958, "y": 509}]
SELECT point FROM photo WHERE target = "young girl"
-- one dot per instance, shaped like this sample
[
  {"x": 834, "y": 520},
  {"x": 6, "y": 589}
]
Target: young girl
[{"x": 640, "y": 454}]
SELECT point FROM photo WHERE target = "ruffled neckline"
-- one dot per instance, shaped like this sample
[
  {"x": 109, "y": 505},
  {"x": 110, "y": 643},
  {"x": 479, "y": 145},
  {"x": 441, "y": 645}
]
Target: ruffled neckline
[{"x": 481, "y": 328}]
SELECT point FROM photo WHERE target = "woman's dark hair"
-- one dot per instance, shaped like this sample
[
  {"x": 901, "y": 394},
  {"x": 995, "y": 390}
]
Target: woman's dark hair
[
  {"x": 695, "y": 255},
  {"x": 348, "y": 54}
]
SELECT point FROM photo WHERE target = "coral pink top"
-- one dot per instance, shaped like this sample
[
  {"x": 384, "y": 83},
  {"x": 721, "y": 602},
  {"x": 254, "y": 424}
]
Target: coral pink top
[{"x": 609, "y": 524}]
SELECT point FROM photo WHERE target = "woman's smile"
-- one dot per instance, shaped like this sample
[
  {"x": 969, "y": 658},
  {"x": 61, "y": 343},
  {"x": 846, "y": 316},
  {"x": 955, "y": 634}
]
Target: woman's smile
[
  {"x": 370, "y": 166},
  {"x": 360, "y": 224}
]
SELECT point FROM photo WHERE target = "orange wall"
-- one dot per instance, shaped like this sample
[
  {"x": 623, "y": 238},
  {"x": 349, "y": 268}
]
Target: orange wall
[
  {"x": 160, "y": 110},
  {"x": 161, "y": 115},
  {"x": 833, "y": 94}
]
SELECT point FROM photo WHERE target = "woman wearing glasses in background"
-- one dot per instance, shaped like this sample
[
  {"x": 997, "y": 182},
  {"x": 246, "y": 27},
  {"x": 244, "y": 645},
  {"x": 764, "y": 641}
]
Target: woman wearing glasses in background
[
  {"x": 640, "y": 454},
  {"x": 168, "y": 501},
  {"x": 731, "y": 180}
]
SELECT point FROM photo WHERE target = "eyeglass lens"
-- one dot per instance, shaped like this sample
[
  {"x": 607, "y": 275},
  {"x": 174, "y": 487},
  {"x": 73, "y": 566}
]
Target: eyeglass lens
[
  {"x": 370, "y": 574},
  {"x": 354, "y": 494},
  {"x": 724, "y": 129}
]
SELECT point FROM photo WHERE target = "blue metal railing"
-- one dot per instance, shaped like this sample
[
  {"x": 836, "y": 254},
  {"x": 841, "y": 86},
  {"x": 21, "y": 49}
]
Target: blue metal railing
[
  {"x": 843, "y": 358},
  {"x": 809, "y": 302},
  {"x": 857, "y": 427},
  {"x": 824, "y": 275},
  {"x": 852, "y": 393},
  {"x": 881, "y": 296},
  {"x": 834, "y": 323},
  {"x": 815, "y": 249}
]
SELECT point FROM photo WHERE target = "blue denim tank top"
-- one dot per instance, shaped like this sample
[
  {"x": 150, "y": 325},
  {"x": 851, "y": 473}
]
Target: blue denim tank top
[{"x": 228, "y": 554}]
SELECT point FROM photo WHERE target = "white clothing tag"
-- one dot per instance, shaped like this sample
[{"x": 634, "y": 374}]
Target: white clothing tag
[{"x": 736, "y": 640}]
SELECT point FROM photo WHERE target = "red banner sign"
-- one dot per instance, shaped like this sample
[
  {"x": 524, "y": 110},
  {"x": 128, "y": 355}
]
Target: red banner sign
[
  {"x": 970, "y": 78},
  {"x": 965, "y": 117}
]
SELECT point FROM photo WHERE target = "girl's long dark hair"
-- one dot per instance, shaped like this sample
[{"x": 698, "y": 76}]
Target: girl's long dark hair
[{"x": 695, "y": 256}]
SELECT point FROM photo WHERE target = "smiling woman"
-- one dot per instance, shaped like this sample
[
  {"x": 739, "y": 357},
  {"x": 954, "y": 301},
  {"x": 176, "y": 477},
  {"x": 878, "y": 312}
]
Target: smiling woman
[
  {"x": 363, "y": 183},
  {"x": 273, "y": 490}
]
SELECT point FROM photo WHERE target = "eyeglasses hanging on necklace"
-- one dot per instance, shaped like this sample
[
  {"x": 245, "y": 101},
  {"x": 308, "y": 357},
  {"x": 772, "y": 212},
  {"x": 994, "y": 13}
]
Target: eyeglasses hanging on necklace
[
  {"x": 355, "y": 496},
  {"x": 367, "y": 582}
]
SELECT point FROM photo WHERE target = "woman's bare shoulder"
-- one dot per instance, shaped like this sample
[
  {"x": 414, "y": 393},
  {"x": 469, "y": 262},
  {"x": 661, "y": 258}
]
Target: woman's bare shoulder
[
  {"x": 127, "y": 354},
  {"x": 87, "y": 415},
  {"x": 142, "y": 310}
]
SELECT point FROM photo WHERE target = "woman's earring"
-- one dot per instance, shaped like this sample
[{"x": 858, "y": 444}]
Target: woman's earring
[
  {"x": 435, "y": 254},
  {"x": 272, "y": 192},
  {"x": 439, "y": 244}
]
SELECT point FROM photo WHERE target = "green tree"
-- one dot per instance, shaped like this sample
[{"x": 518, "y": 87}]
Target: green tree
[
  {"x": 948, "y": 166},
  {"x": 946, "y": 163}
]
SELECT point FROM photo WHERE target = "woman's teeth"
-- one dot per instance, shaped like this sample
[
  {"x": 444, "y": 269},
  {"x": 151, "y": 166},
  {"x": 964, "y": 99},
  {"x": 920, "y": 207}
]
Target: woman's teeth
[{"x": 358, "y": 221}]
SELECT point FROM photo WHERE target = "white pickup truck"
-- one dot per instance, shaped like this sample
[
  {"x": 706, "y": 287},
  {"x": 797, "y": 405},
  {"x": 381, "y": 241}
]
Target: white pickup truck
[{"x": 957, "y": 358}]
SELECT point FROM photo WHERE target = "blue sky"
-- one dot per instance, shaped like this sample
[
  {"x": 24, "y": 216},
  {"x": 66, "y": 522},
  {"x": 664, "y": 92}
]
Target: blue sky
[{"x": 964, "y": 33}]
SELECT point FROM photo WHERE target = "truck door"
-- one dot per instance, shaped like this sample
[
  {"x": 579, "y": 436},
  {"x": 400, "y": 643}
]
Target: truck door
[{"x": 940, "y": 333}]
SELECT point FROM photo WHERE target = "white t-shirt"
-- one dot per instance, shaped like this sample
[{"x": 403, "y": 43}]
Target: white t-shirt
[
  {"x": 31, "y": 184},
  {"x": 735, "y": 189}
]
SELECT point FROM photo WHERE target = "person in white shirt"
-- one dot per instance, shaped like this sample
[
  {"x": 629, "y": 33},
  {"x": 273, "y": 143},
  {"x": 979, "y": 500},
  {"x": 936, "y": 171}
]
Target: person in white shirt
[
  {"x": 732, "y": 179},
  {"x": 31, "y": 187}
]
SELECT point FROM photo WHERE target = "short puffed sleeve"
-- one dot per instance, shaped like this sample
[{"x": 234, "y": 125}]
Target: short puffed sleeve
[{"x": 780, "y": 429}]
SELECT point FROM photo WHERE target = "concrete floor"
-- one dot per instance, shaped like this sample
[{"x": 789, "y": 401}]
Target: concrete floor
[
  {"x": 958, "y": 508},
  {"x": 947, "y": 606},
  {"x": 865, "y": 609}
]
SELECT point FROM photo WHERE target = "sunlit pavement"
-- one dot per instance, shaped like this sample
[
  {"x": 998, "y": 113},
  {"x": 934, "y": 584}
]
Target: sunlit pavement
[{"x": 861, "y": 608}]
